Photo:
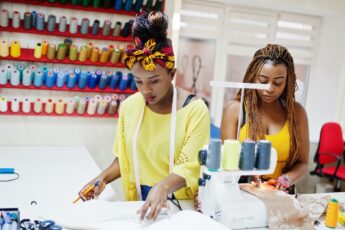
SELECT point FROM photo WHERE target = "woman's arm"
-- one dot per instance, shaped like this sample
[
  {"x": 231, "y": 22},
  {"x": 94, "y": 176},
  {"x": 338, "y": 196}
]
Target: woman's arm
[
  {"x": 300, "y": 168},
  {"x": 228, "y": 127}
]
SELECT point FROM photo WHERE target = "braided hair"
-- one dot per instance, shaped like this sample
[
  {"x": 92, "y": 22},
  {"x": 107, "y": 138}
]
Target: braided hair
[{"x": 274, "y": 54}]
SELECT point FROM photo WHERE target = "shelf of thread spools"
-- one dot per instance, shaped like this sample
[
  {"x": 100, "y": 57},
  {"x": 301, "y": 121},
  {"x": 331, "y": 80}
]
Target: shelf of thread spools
[
  {"x": 97, "y": 106},
  {"x": 64, "y": 53},
  {"x": 43, "y": 78},
  {"x": 34, "y": 23},
  {"x": 124, "y": 7}
]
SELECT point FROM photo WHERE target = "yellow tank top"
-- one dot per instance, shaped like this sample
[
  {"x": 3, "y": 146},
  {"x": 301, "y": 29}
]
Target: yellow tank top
[{"x": 281, "y": 142}]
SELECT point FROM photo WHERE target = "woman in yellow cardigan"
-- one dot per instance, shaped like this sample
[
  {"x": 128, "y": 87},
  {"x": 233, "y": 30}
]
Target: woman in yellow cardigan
[
  {"x": 273, "y": 114},
  {"x": 160, "y": 129}
]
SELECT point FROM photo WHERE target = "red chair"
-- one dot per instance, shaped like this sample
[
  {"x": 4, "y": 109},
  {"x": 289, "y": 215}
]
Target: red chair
[{"x": 328, "y": 156}]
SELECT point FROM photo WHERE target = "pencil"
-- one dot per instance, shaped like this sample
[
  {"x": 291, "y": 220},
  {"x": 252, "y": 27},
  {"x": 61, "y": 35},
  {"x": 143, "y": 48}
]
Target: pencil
[{"x": 86, "y": 191}]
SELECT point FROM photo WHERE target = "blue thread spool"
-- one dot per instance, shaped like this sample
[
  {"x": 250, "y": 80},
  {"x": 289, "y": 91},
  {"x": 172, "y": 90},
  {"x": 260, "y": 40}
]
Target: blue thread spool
[
  {"x": 50, "y": 79},
  {"x": 44, "y": 72},
  {"x": 98, "y": 74},
  {"x": 128, "y": 5},
  {"x": 109, "y": 76},
  {"x": 123, "y": 82},
  {"x": 51, "y": 23},
  {"x": 82, "y": 82},
  {"x": 103, "y": 82},
  {"x": 92, "y": 81},
  {"x": 115, "y": 79},
  {"x": 60, "y": 81},
  {"x": 95, "y": 27},
  {"x": 77, "y": 72},
  {"x": 247, "y": 157},
  {"x": 138, "y": 5},
  {"x": 263, "y": 155},
  {"x": 71, "y": 80},
  {"x": 56, "y": 72},
  {"x": 213, "y": 154},
  {"x": 34, "y": 18},
  {"x": 118, "y": 4},
  {"x": 40, "y": 21},
  {"x": 20, "y": 68},
  {"x": 38, "y": 78},
  {"x": 133, "y": 85}
]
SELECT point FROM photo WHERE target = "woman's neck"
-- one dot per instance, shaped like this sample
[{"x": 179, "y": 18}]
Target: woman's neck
[{"x": 164, "y": 105}]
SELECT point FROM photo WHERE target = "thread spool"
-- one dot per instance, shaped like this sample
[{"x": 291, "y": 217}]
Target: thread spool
[
  {"x": 51, "y": 51},
  {"x": 128, "y": 5},
  {"x": 89, "y": 48},
  {"x": 118, "y": 4},
  {"x": 51, "y": 23},
  {"x": 15, "y": 77},
  {"x": 26, "y": 106},
  {"x": 104, "y": 55},
  {"x": 60, "y": 81},
  {"x": 70, "y": 106},
  {"x": 81, "y": 106},
  {"x": 34, "y": 18},
  {"x": 106, "y": 27},
  {"x": 117, "y": 29},
  {"x": 115, "y": 56},
  {"x": 71, "y": 80},
  {"x": 231, "y": 155},
  {"x": 68, "y": 42},
  {"x": 76, "y": 102},
  {"x": 3, "y": 104},
  {"x": 95, "y": 27},
  {"x": 3, "y": 76},
  {"x": 60, "y": 107},
  {"x": 9, "y": 69},
  {"x": 112, "y": 107},
  {"x": 45, "y": 45},
  {"x": 332, "y": 213},
  {"x": 62, "y": 24},
  {"x": 92, "y": 81},
  {"x": 15, "y": 105},
  {"x": 247, "y": 156},
  {"x": 138, "y": 5},
  {"x": 126, "y": 29},
  {"x": 73, "y": 53},
  {"x": 73, "y": 26},
  {"x": 20, "y": 68},
  {"x": 77, "y": 72},
  {"x": 91, "y": 107},
  {"x": 50, "y": 80},
  {"x": 108, "y": 3},
  {"x": 49, "y": 106},
  {"x": 16, "y": 19},
  {"x": 122, "y": 97},
  {"x": 85, "y": 24},
  {"x": 101, "y": 107},
  {"x": 148, "y": 6},
  {"x": 38, "y": 78},
  {"x": 15, "y": 49},
  {"x": 83, "y": 53},
  {"x": 4, "y": 49},
  {"x": 263, "y": 155},
  {"x": 4, "y": 18},
  {"x": 38, "y": 106},
  {"x": 96, "y": 3},
  {"x": 213, "y": 156},
  {"x": 107, "y": 99},
  {"x": 82, "y": 82},
  {"x": 159, "y": 5},
  {"x": 44, "y": 72},
  {"x": 103, "y": 82},
  {"x": 85, "y": 3},
  {"x": 94, "y": 54},
  {"x": 124, "y": 82},
  {"x": 38, "y": 50},
  {"x": 27, "y": 77},
  {"x": 61, "y": 52},
  {"x": 40, "y": 21},
  {"x": 27, "y": 20}
]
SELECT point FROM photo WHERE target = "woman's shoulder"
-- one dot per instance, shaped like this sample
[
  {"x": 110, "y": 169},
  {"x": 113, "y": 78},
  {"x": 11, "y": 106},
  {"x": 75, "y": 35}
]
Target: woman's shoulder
[
  {"x": 300, "y": 113},
  {"x": 232, "y": 108}
]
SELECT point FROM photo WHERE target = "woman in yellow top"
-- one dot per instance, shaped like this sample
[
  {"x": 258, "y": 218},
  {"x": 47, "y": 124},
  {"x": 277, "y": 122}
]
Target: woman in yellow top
[
  {"x": 160, "y": 128},
  {"x": 273, "y": 114}
]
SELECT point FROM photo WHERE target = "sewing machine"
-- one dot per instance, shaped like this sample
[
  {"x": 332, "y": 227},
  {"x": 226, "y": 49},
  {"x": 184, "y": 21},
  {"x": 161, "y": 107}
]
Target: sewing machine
[{"x": 221, "y": 198}]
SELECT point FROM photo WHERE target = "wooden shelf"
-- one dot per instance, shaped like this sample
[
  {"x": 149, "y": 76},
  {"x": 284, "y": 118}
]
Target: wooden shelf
[
  {"x": 76, "y": 89},
  {"x": 73, "y": 7},
  {"x": 54, "y": 114},
  {"x": 28, "y": 55},
  {"x": 99, "y": 36}
]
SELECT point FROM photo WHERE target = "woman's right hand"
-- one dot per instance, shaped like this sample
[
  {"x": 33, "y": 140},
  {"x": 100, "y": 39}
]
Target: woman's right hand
[{"x": 94, "y": 192}]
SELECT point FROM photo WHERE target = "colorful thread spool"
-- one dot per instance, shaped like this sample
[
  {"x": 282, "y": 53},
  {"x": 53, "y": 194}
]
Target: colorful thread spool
[
  {"x": 332, "y": 213},
  {"x": 263, "y": 155},
  {"x": 213, "y": 155},
  {"x": 247, "y": 157},
  {"x": 231, "y": 155}
]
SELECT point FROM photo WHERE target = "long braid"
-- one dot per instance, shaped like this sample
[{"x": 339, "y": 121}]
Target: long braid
[{"x": 277, "y": 55}]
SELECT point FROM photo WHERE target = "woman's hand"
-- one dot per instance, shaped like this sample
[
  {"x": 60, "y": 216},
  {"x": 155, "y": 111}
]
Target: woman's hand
[
  {"x": 87, "y": 194},
  {"x": 155, "y": 201}
]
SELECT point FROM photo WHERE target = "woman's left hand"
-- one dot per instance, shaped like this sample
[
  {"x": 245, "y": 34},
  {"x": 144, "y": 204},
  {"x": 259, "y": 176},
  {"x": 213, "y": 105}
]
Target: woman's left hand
[{"x": 155, "y": 201}]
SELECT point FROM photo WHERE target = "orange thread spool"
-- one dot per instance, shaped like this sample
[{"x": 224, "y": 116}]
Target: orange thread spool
[{"x": 332, "y": 213}]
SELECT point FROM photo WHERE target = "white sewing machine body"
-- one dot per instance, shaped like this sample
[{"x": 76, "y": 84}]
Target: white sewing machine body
[{"x": 221, "y": 198}]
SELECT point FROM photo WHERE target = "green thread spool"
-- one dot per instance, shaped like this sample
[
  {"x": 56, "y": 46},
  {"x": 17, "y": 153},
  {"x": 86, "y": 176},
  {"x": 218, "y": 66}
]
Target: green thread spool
[
  {"x": 51, "y": 51},
  {"x": 231, "y": 154},
  {"x": 63, "y": 1},
  {"x": 61, "y": 52},
  {"x": 75, "y": 2},
  {"x": 85, "y": 3},
  {"x": 83, "y": 53},
  {"x": 96, "y": 3},
  {"x": 115, "y": 56}
]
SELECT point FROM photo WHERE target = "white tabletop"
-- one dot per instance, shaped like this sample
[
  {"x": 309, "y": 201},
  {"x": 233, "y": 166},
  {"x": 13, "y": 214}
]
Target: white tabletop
[{"x": 50, "y": 176}]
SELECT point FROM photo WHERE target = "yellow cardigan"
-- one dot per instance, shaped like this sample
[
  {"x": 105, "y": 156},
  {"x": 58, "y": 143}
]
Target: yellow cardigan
[{"x": 192, "y": 133}]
